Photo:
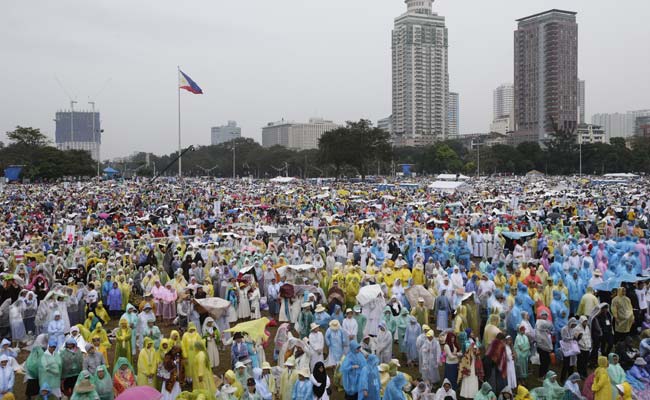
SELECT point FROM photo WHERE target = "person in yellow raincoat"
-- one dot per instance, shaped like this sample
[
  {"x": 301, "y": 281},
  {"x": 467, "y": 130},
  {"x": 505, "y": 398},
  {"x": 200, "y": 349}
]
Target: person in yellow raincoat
[
  {"x": 623, "y": 314},
  {"x": 460, "y": 320},
  {"x": 500, "y": 280},
  {"x": 97, "y": 343},
  {"x": 523, "y": 393},
  {"x": 125, "y": 289},
  {"x": 101, "y": 312},
  {"x": 147, "y": 364},
  {"x": 352, "y": 285},
  {"x": 202, "y": 377},
  {"x": 405, "y": 275},
  {"x": 231, "y": 379},
  {"x": 547, "y": 293},
  {"x": 602, "y": 387},
  {"x": 189, "y": 350},
  {"x": 288, "y": 378},
  {"x": 624, "y": 391},
  {"x": 175, "y": 339},
  {"x": 101, "y": 332},
  {"x": 123, "y": 343},
  {"x": 418, "y": 274}
]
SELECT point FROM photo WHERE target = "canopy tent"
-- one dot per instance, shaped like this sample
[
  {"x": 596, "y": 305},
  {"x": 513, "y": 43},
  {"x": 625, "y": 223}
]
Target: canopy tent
[
  {"x": 110, "y": 172},
  {"x": 621, "y": 175},
  {"x": 452, "y": 177},
  {"x": 534, "y": 172},
  {"x": 282, "y": 179},
  {"x": 446, "y": 186}
]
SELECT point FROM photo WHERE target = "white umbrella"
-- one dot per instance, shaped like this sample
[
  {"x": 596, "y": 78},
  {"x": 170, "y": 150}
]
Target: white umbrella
[{"x": 368, "y": 294}]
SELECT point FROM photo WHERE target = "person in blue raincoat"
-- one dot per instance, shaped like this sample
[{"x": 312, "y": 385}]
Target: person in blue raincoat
[
  {"x": 321, "y": 317},
  {"x": 351, "y": 370},
  {"x": 303, "y": 388},
  {"x": 395, "y": 388},
  {"x": 413, "y": 330},
  {"x": 336, "y": 340},
  {"x": 369, "y": 381},
  {"x": 576, "y": 291},
  {"x": 559, "y": 312},
  {"x": 527, "y": 302},
  {"x": 514, "y": 317}
]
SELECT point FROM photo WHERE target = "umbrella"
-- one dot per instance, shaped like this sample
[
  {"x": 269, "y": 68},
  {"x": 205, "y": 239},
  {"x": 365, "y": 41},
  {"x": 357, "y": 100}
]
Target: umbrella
[
  {"x": 215, "y": 306},
  {"x": 368, "y": 294},
  {"x": 255, "y": 328},
  {"x": 417, "y": 291},
  {"x": 140, "y": 393},
  {"x": 608, "y": 285}
]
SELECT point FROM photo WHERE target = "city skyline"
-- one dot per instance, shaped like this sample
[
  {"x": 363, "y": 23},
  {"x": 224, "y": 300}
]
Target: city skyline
[{"x": 279, "y": 61}]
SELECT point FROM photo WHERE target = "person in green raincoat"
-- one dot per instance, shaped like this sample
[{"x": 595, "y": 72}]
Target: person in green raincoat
[
  {"x": 32, "y": 365},
  {"x": 84, "y": 388},
  {"x": 103, "y": 383},
  {"x": 485, "y": 393},
  {"x": 522, "y": 351},
  {"x": 389, "y": 320},
  {"x": 552, "y": 389},
  {"x": 361, "y": 322},
  {"x": 49, "y": 371},
  {"x": 402, "y": 324},
  {"x": 615, "y": 371}
]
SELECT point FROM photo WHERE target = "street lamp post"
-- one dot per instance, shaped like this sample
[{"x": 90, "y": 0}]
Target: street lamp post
[{"x": 92, "y": 104}]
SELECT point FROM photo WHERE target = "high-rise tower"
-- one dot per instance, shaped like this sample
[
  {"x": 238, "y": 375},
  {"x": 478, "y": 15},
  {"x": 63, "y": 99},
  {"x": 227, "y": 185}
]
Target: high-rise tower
[{"x": 420, "y": 76}]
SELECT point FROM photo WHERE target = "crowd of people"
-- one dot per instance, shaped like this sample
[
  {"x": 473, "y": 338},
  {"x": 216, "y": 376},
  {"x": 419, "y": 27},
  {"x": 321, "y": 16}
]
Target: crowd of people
[{"x": 509, "y": 288}]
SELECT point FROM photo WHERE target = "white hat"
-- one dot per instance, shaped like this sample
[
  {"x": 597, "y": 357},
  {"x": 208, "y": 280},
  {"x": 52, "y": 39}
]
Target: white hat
[
  {"x": 240, "y": 364},
  {"x": 304, "y": 372},
  {"x": 314, "y": 326}
]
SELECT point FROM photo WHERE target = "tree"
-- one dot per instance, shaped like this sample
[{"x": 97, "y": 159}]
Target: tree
[
  {"x": 562, "y": 148},
  {"x": 26, "y": 136},
  {"x": 357, "y": 144}
]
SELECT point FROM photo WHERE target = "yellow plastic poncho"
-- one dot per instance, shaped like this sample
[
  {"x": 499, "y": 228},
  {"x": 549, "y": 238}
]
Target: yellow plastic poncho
[
  {"x": 231, "y": 379},
  {"x": 147, "y": 364},
  {"x": 101, "y": 332},
  {"x": 622, "y": 312},
  {"x": 202, "y": 377},
  {"x": 187, "y": 345},
  {"x": 101, "y": 312},
  {"x": 602, "y": 387},
  {"x": 123, "y": 343}
]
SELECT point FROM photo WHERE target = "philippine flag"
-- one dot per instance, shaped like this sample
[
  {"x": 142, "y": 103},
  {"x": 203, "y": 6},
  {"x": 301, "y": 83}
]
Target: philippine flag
[{"x": 188, "y": 84}]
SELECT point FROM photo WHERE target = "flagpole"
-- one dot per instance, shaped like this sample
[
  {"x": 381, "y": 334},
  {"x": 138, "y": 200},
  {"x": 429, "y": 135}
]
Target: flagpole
[{"x": 178, "y": 87}]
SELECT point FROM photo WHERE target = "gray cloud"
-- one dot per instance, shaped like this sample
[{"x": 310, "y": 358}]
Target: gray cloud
[{"x": 259, "y": 61}]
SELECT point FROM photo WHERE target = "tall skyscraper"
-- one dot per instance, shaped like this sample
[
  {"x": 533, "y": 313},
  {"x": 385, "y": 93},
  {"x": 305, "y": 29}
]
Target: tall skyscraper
[
  {"x": 503, "y": 101},
  {"x": 503, "y": 109},
  {"x": 453, "y": 112},
  {"x": 546, "y": 74},
  {"x": 420, "y": 76},
  {"x": 225, "y": 133},
  {"x": 581, "y": 101},
  {"x": 74, "y": 131}
]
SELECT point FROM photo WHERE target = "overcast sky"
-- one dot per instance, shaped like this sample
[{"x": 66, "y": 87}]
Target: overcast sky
[{"x": 261, "y": 60}]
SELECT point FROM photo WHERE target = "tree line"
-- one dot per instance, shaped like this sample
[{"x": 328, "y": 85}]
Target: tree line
[
  {"x": 357, "y": 149},
  {"x": 40, "y": 160}
]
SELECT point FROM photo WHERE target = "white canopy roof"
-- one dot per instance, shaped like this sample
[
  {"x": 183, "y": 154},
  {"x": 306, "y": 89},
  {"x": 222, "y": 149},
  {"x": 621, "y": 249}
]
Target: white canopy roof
[
  {"x": 452, "y": 177},
  {"x": 447, "y": 186}
]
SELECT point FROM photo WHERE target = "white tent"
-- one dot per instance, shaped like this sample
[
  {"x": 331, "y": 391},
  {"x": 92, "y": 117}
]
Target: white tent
[
  {"x": 283, "y": 179},
  {"x": 452, "y": 177},
  {"x": 446, "y": 186},
  {"x": 620, "y": 175}
]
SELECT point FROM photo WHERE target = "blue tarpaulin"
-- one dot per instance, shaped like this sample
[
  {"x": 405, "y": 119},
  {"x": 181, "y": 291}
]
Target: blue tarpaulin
[{"x": 12, "y": 173}]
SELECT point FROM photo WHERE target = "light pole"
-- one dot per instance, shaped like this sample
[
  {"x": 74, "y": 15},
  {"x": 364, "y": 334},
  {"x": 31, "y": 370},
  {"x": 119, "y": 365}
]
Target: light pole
[
  {"x": 233, "y": 159},
  {"x": 92, "y": 104},
  {"x": 478, "y": 157},
  {"x": 72, "y": 103},
  {"x": 580, "y": 151}
]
